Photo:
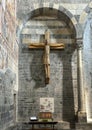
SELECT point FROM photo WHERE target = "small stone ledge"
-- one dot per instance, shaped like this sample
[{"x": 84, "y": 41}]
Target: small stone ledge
[
  {"x": 60, "y": 126},
  {"x": 82, "y": 117},
  {"x": 23, "y": 126},
  {"x": 83, "y": 126},
  {"x": 63, "y": 125}
]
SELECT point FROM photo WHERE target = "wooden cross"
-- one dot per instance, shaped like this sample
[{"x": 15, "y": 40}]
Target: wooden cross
[{"x": 47, "y": 46}]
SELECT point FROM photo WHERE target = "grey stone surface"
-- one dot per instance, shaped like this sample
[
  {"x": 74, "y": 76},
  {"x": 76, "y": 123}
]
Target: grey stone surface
[
  {"x": 88, "y": 62},
  {"x": 53, "y": 1},
  {"x": 25, "y": 7},
  {"x": 7, "y": 79}
]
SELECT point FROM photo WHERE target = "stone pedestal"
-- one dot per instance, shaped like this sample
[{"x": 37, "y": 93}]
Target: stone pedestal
[
  {"x": 63, "y": 125},
  {"x": 82, "y": 117}
]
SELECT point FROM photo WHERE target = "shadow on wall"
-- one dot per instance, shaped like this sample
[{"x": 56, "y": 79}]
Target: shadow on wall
[
  {"x": 68, "y": 92},
  {"x": 37, "y": 68}
]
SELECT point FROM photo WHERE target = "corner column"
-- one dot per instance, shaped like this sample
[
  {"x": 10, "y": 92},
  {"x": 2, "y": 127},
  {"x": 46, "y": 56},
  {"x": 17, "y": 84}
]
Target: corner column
[{"x": 81, "y": 90}]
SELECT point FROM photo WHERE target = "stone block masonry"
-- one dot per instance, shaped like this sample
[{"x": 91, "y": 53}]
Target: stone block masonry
[{"x": 8, "y": 64}]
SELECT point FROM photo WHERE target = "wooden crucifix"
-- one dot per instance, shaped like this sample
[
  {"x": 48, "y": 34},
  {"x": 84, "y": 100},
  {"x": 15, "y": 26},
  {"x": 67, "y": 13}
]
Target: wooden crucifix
[{"x": 46, "y": 59}]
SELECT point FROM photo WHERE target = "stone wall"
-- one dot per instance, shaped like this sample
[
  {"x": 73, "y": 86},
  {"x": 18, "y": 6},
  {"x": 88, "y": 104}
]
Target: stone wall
[
  {"x": 75, "y": 7},
  {"x": 61, "y": 18},
  {"x": 8, "y": 63}
]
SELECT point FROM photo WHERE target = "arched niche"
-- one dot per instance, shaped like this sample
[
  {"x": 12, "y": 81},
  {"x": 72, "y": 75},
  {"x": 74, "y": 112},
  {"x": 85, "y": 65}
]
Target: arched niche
[
  {"x": 46, "y": 19},
  {"x": 63, "y": 64}
]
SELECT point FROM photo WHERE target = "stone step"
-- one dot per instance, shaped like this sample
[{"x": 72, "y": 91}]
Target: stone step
[{"x": 78, "y": 126}]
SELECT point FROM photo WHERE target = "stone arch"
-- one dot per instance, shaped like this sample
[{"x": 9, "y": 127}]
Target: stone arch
[
  {"x": 84, "y": 16},
  {"x": 36, "y": 10},
  {"x": 87, "y": 47},
  {"x": 86, "y": 24},
  {"x": 85, "y": 13}
]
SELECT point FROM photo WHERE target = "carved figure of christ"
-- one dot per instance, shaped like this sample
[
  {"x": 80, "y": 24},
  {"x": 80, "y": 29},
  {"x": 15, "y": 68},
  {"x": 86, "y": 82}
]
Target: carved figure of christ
[{"x": 46, "y": 58}]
